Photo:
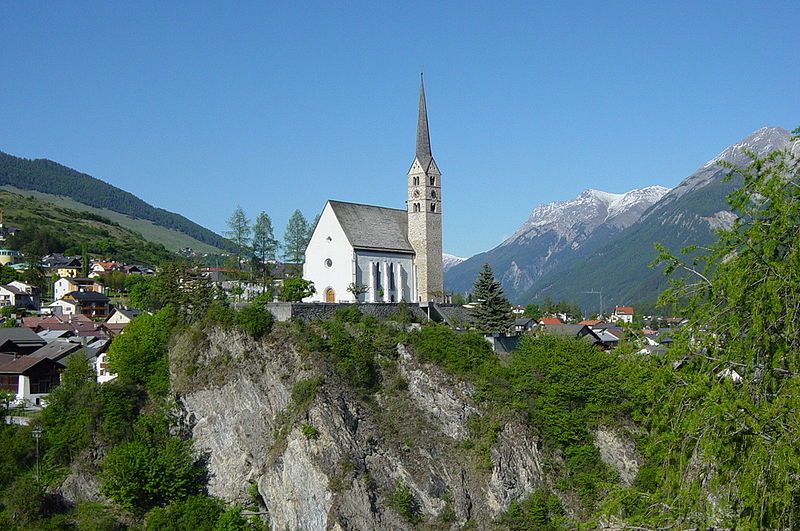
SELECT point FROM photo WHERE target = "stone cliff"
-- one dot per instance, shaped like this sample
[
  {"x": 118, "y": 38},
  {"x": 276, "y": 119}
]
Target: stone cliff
[{"x": 333, "y": 460}]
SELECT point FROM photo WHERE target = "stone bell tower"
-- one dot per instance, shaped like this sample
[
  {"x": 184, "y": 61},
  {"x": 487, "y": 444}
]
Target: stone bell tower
[{"x": 425, "y": 212}]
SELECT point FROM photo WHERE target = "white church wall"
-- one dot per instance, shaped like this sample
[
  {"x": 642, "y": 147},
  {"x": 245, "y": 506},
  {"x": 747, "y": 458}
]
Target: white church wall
[
  {"x": 329, "y": 259},
  {"x": 373, "y": 270}
]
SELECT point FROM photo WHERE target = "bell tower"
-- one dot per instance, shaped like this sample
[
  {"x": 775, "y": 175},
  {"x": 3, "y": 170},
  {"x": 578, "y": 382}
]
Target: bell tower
[{"x": 425, "y": 212}]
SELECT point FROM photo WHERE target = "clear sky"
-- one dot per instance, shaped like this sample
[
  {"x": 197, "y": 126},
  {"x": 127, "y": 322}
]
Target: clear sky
[{"x": 197, "y": 107}]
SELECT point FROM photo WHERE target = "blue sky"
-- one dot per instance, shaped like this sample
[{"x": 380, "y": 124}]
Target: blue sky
[{"x": 197, "y": 107}]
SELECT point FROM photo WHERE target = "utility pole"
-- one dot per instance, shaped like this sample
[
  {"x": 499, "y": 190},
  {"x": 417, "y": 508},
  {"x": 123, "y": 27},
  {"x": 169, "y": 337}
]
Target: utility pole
[
  {"x": 37, "y": 433},
  {"x": 595, "y": 292}
]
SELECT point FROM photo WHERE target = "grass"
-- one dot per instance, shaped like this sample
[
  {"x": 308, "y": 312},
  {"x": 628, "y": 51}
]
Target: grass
[{"x": 169, "y": 238}]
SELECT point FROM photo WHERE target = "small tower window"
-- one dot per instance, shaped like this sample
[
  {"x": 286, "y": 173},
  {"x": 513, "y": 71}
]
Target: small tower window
[
  {"x": 416, "y": 207},
  {"x": 433, "y": 180},
  {"x": 416, "y": 180},
  {"x": 433, "y": 207}
]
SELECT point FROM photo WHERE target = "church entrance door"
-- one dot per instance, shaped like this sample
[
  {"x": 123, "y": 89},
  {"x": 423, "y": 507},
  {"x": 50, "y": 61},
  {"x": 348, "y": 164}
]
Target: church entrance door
[{"x": 330, "y": 295}]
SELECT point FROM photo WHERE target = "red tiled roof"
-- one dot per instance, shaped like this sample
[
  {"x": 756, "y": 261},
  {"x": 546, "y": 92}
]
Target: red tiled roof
[
  {"x": 550, "y": 320},
  {"x": 590, "y": 322},
  {"x": 623, "y": 310}
]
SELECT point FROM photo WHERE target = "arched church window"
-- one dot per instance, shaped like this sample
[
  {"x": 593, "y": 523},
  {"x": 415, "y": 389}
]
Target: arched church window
[
  {"x": 433, "y": 207},
  {"x": 433, "y": 180},
  {"x": 416, "y": 207},
  {"x": 416, "y": 180}
]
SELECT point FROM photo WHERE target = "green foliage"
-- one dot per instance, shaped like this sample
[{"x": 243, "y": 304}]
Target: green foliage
[
  {"x": 541, "y": 510},
  {"x": 140, "y": 354},
  {"x": 735, "y": 440},
  {"x": 309, "y": 431},
  {"x": 24, "y": 500},
  {"x": 492, "y": 312},
  {"x": 7, "y": 275},
  {"x": 95, "y": 517},
  {"x": 232, "y": 520},
  {"x": 238, "y": 233},
  {"x": 71, "y": 416},
  {"x": 403, "y": 501},
  {"x": 295, "y": 238},
  {"x": 121, "y": 401},
  {"x": 255, "y": 320},
  {"x": 198, "y": 513},
  {"x": 304, "y": 391},
  {"x": 152, "y": 469},
  {"x": 47, "y": 228},
  {"x": 467, "y": 355},
  {"x": 52, "y": 178},
  {"x": 296, "y": 289}
]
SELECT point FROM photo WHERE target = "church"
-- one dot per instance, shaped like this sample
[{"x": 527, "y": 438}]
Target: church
[{"x": 386, "y": 254}]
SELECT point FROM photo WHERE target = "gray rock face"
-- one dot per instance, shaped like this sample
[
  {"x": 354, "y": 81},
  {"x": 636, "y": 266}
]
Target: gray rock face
[
  {"x": 619, "y": 453},
  {"x": 449, "y": 404},
  {"x": 78, "y": 487},
  {"x": 341, "y": 475},
  {"x": 516, "y": 467}
]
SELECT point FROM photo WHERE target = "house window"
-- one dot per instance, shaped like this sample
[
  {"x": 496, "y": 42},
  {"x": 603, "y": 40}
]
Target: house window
[
  {"x": 433, "y": 180},
  {"x": 433, "y": 207}
]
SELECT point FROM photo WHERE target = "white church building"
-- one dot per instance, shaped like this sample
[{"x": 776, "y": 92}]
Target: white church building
[{"x": 388, "y": 254}]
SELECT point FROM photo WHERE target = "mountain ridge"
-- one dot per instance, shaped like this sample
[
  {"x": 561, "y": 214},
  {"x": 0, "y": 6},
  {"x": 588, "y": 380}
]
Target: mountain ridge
[{"x": 49, "y": 177}]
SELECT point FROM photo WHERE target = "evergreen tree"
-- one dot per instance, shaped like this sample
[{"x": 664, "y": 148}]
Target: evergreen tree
[
  {"x": 265, "y": 246},
  {"x": 295, "y": 238},
  {"x": 493, "y": 311},
  {"x": 239, "y": 233},
  {"x": 84, "y": 261}
]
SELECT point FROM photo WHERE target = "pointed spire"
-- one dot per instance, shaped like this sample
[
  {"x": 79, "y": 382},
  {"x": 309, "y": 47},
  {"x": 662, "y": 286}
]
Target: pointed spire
[{"x": 423, "y": 138}]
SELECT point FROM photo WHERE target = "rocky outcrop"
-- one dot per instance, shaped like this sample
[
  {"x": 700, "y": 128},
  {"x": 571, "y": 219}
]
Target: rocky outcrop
[
  {"x": 448, "y": 402},
  {"x": 619, "y": 453},
  {"x": 333, "y": 461},
  {"x": 516, "y": 466}
]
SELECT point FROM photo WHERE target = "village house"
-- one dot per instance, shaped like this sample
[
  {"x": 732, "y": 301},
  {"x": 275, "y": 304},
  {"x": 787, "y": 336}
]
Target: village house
[
  {"x": 94, "y": 305},
  {"x": 65, "y": 285},
  {"x": 622, "y": 314},
  {"x": 62, "y": 266},
  {"x": 20, "y": 295}
]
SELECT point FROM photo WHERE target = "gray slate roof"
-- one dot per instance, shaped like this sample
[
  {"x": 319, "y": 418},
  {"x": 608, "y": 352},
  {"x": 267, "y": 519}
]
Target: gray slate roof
[
  {"x": 24, "y": 337},
  {"x": 372, "y": 227}
]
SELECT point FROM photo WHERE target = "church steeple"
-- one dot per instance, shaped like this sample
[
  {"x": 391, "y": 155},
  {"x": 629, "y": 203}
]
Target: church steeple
[
  {"x": 425, "y": 211},
  {"x": 423, "y": 137}
]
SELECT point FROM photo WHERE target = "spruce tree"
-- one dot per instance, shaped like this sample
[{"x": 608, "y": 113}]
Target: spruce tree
[
  {"x": 492, "y": 312},
  {"x": 265, "y": 246},
  {"x": 295, "y": 238},
  {"x": 239, "y": 233}
]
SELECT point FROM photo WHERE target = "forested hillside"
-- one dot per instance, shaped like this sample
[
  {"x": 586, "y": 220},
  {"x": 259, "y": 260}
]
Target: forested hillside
[
  {"x": 49, "y": 177},
  {"x": 49, "y": 229}
]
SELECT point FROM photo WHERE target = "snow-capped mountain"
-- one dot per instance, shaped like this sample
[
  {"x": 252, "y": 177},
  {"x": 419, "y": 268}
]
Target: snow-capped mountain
[
  {"x": 687, "y": 215},
  {"x": 576, "y": 218},
  {"x": 553, "y": 232},
  {"x": 760, "y": 142},
  {"x": 450, "y": 260},
  {"x": 601, "y": 240}
]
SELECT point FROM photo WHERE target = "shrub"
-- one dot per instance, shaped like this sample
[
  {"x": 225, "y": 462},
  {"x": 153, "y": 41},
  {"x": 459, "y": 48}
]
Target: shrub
[
  {"x": 255, "y": 320},
  {"x": 404, "y": 503},
  {"x": 197, "y": 513},
  {"x": 309, "y": 431},
  {"x": 304, "y": 391},
  {"x": 140, "y": 354},
  {"x": 152, "y": 469}
]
